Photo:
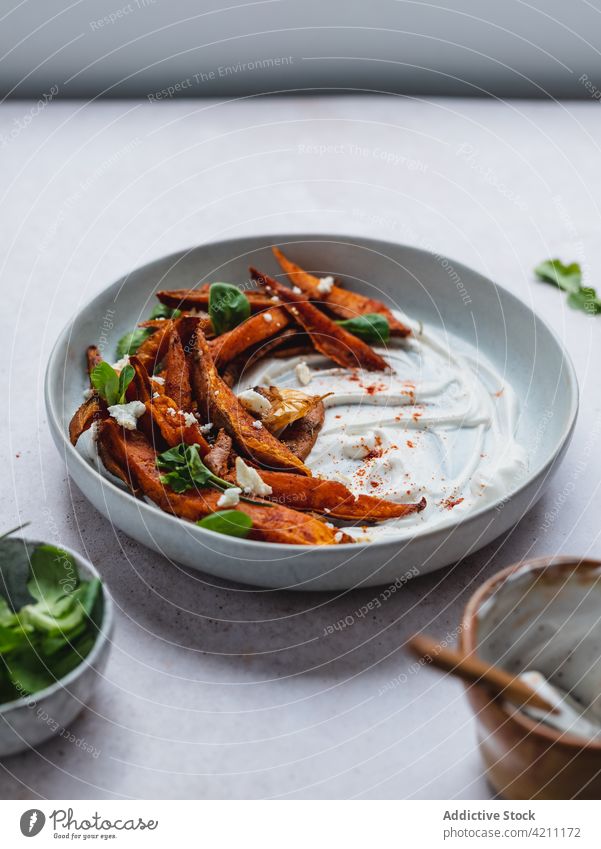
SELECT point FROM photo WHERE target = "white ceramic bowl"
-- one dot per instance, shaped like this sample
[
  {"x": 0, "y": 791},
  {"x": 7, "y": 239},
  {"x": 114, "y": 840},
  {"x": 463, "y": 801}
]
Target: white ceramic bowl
[
  {"x": 441, "y": 292},
  {"x": 31, "y": 720}
]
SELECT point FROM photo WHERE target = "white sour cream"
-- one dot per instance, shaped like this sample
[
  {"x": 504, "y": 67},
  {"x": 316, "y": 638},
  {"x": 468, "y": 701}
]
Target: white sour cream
[{"x": 441, "y": 425}]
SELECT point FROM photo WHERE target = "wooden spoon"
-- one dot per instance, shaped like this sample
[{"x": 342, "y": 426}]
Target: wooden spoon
[{"x": 476, "y": 671}]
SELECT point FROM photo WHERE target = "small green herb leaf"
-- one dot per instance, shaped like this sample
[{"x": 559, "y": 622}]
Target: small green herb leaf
[
  {"x": 109, "y": 384},
  {"x": 185, "y": 469},
  {"x": 371, "y": 327},
  {"x": 15, "y": 555},
  {"x": 125, "y": 378},
  {"x": 568, "y": 278},
  {"x": 228, "y": 307},
  {"x": 232, "y": 523},
  {"x": 163, "y": 311},
  {"x": 130, "y": 343}
]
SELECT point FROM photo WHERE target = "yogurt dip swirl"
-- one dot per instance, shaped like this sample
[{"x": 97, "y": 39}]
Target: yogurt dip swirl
[{"x": 441, "y": 424}]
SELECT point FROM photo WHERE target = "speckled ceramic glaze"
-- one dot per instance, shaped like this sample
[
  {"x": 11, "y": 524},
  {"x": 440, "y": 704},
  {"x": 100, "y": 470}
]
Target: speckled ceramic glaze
[
  {"x": 542, "y": 614},
  {"x": 31, "y": 720},
  {"x": 442, "y": 293}
]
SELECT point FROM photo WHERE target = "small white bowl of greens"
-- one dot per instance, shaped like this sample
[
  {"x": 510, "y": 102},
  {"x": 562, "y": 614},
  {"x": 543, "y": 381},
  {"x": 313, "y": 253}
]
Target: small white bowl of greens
[{"x": 56, "y": 619}]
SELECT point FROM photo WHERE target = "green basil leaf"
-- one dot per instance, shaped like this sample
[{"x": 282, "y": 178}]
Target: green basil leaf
[
  {"x": 163, "y": 311},
  {"x": 232, "y": 523},
  {"x": 105, "y": 381},
  {"x": 586, "y": 300},
  {"x": 566, "y": 277},
  {"x": 15, "y": 556},
  {"x": 371, "y": 327},
  {"x": 185, "y": 468},
  {"x": 125, "y": 378},
  {"x": 228, "y": 307},
  {"x": 130, "y": 343}
]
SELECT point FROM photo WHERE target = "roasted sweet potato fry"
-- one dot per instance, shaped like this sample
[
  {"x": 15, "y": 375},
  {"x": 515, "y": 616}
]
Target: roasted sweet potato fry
[
  {"x": 218, "y": 404},
  {"x": 255, "y": 330},
  {"x": 328, "y": 337},
  {"x": 233, "y": 370},
  {"x": 90, "y": 411},
  {"x": 136, "y": 459},
  {"x": 165, "y": 422},
  {"x": 153, "y": 350},
  {"x": 198, "y": 299},
  {"x": 333, "y": 498},
  {"x": 177, "y": 374},
  {"x": 218, "y": 458},
  {"x": 341, "y": 302},
  {"x": 93, "y": 357}
]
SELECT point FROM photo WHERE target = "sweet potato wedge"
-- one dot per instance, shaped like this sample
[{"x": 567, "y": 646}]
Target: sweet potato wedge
[
  {"x": 136, "y": 459},
  {"x": 90, "y": 411},
  {"x": 177, "y": 374},
  {"x": 218, "y": 404},
  {"x": 255, "y": 330},
  {"x": 333, "y": 499},
  {"x": 341, "y": 302},
  {"x": 218, "y": 458},
  {"x": 153, "y": 350},
  {"x": 93, "y": 357},
  {"x": 233, "y": 370},
  {"x": 198, "y": 299},
  {"x": 328, "y": 337},
  {"x": 164, "y": 423}
]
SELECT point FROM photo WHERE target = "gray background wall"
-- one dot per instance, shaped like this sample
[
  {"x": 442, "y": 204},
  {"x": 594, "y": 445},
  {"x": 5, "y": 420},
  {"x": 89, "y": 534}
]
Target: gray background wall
[{"x": 132, "y": 48}]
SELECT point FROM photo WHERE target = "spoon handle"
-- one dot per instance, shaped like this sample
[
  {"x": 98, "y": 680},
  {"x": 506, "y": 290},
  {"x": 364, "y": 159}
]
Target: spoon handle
[{"x": 472, "y": 669}]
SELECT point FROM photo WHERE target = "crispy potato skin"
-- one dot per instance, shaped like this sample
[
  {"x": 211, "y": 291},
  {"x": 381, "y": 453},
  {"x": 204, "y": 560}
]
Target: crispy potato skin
[
  {"x": 153, "y": 350},
  {"x": 341, "y": 302},
  {"x": 251, "y": 332},
  {"x": 328, "y": 337},
  {"x": 218, "y": 404},
  {"x": 131, "y": 452}
]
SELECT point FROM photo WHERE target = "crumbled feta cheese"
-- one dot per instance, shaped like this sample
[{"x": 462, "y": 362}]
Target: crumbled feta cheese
[
  {"x": 254, "y": 401},
  {"x": 303, "y": 373},
  {"x": 88, "y": 394},
  {"x": 250, "y": 480},
  {"x": 297, "y": 291},
  {"x": 329, "y": 525},
  {"x": 257, "y": 424},
  {"x": 155, "y": 395},
  {"x": 324, "y": 287},
  {"x": 275, "y": 299},
  {"x": 158, "y": 379},
  {"x": 170, "y": 411},
  {"x": 189, "y": 418},
  {"x": 268, "y": 317},
  {"x": 230, "y": 497},
  {"x": 120, "y": 364},
  {"x": 338, "y": 537},
  {"x": 206, "y": 428},
  {"x": 127, "y": 415}
]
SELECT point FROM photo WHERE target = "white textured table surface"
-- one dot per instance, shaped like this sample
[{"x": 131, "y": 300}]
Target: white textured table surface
[{"x": 214, "y": 690}]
